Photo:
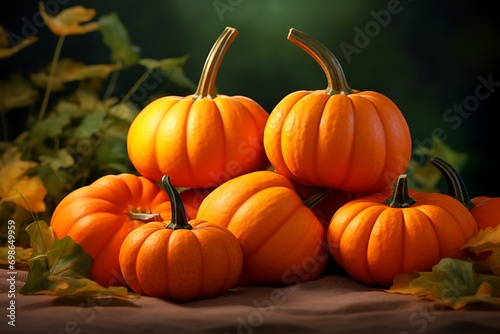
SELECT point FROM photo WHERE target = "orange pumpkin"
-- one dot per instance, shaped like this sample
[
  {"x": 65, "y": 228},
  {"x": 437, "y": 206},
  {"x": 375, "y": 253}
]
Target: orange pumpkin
[
  {"x": 283, "y": 242},
  {"x": 337, "y": 138},
  {"x": 380, "y": 235},
  {"x": 180, "y": 260},
  {"x": 484, "y": 209},
  {"x": 200, "y": 140},
  {"x": 99, "y": 216}
]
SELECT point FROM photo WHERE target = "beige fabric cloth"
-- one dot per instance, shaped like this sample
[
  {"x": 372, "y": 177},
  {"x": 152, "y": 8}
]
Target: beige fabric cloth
[{"x": 331, "y": 304}]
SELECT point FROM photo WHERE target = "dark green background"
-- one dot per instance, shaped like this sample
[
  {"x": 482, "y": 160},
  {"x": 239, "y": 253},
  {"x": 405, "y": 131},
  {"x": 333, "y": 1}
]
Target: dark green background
[{"x": 427, "y": 58}]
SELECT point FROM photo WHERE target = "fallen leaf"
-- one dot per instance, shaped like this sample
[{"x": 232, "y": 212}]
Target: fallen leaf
[
  {"x": 60, "y": 267},
  {"x": 452, "y": 282},
  {"x": 21, "y": 254},
  {"x": 484, "y": 248},
  {"x": 69, "y": 21}
]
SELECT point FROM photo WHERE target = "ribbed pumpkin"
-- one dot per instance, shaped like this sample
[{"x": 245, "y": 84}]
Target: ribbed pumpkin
[
  {"x": 199, "y": 140},
  {"x": 380, "y": 235},
  {"x": 337, "y": 138},
  {"x": 99, "y": 216},
  {"x": 484, "y": 209},
  {"x": 179, "y": 259},
  {"x": 283, "y": 242}
]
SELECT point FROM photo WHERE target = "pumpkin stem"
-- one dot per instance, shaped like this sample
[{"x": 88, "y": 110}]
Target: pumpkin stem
[
  {"x": 456, "y": 185},
  {"x": 179, "y": 218},
  {"x": 206, "y": 85},
  {"x": 400, "y": 197},
  {"x": 315, "y": 199},
  {"x": 337, "y": 83}
]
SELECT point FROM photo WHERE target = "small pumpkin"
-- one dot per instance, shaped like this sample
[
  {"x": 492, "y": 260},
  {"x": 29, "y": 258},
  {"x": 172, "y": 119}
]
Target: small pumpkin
[
  {"x": 99, "y": 216},
  {"x": 484, "y": 209},
  {"x": 380, "y": 235},
  {"x": 180, "y": 260},
  {"x": 203, "y": 139},
  {"x": 337, "y": 138},
  {"x": 283, "y": 242}
]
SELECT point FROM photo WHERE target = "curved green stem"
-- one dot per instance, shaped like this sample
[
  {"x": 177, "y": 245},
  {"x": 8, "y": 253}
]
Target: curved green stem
[
  {"x": 400, "y": 197},
  {"x": 315, "y": 199},
  {"x": 456, "y": 185},
  {"x": 337, "y": 83},
  {"x": 48, "y": 90},
  {"x": 206, "y": 85},
  {"x": 179, "y": 218},
  {"x": 136, "y": 85}
]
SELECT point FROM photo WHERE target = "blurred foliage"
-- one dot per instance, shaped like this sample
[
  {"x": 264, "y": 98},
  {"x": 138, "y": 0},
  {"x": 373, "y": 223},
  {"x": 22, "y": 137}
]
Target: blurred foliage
[{"x": 72, "y": 125}]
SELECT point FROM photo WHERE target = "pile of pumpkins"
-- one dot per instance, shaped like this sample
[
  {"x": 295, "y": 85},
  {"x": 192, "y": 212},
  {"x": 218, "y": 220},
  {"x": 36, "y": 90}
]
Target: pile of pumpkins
[{"x": 229, "y": 194}]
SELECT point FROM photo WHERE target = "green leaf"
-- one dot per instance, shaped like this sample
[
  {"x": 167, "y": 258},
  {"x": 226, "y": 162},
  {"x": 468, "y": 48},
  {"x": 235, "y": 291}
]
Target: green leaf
[
  {"x": 41, "y": 237},
  {"x": 172, "y": 68},
  {"x": 452, "y": 282},
  {"x": 49, "y": 128},
  {"x": 60, "y": 267},
  {"x": 57, "y": 159},
  {"x": 177, "y": 76},
  {"x": 116, "y": 37},
  {"x": 90, "y": 124}
]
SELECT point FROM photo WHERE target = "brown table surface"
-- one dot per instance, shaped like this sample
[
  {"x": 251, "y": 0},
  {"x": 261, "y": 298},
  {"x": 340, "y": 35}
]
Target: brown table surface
[{"x": 333, "y": 303}]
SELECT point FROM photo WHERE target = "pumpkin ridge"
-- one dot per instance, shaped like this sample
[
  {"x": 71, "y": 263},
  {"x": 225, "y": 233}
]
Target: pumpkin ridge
[
  {"x": 221, "y": 237},
  {"x": 202, "y": 268},
  {"x": 459, "y": 208},
  {"x": 350, "y": 159},
  {"x": 187, "y": 167},
  {"x": 298, "y": 112},
  {"x": 272, "y": 232},
  {"x": 316, "y": 166},
  {"x": 372, "y": 222},
  {"x": 387, "y": 155},
  {"x": 425, "y": 217}
]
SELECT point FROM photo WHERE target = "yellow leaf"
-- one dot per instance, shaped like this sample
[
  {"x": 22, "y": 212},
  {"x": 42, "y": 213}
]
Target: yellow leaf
[
  {"x": 11, "y": 169},
  {"x": 68, "y": 70},
  {"x": 484, "y": 247},
  {"x": 6, "y": 50},
  {"x": 21, "y": 254},
  {"x": 98, "y": 71},
  {"x": 69, "y": 21},
  {"x": 16, "y": 92},
  {"x": 28, "y": 193}
]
